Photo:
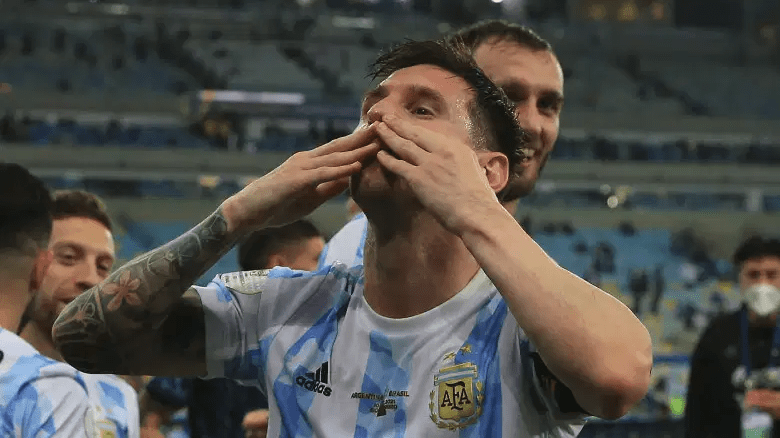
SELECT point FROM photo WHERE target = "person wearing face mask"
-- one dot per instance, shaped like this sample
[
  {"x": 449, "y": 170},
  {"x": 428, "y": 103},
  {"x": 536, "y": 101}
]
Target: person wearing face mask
[{"x": 734, "y": 387}]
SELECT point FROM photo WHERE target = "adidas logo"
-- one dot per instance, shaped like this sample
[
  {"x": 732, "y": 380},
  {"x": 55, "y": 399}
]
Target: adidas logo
[{"x": 316, "y": 381}]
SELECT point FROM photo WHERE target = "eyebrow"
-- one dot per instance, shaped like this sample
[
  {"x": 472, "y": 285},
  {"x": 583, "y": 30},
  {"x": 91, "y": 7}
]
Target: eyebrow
[
  {"x": 80, "y": 247},
  {"x": 415, "y": 91},
  {"x": 517, "y": 86}
]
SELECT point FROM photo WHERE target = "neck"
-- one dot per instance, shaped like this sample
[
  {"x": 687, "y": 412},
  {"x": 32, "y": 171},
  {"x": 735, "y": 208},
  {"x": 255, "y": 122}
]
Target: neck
[
  {"x": 511, "y": 206},
  {"x": 15, "y": 296},
  {"x": 41, "y": 340},
  {"x": 414, "y": 269},
  {"x": 762, "y": 321}
]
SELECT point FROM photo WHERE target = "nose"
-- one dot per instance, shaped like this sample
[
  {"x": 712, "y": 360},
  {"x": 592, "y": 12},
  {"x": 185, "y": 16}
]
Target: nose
[
  {"x": 87, "y": 276},
  {"x": 530, "y": 119},
  {"x": 379, "y": 109}
]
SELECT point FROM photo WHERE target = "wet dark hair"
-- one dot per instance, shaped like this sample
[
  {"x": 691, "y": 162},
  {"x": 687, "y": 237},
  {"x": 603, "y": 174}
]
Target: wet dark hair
[
  {"x": 756, "y": 247},
  {"x": 255, "y": 250},
  {"x": 491, "y": 111},
  {"x": 25, "y": 210},
  {"x": 481, "y": 32},
  {"x": 78, "y": 203}
]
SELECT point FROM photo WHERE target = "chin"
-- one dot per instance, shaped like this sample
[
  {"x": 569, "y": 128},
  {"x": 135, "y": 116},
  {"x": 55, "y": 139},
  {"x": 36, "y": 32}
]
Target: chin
[{"x": 372, "y": 182}]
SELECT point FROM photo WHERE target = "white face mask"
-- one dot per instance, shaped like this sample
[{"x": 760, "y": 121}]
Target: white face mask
[{"x": 762, "y": 298}]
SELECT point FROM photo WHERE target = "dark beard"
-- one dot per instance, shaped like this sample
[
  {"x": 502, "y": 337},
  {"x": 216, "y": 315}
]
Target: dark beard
[{"x": 26, "y": 317}]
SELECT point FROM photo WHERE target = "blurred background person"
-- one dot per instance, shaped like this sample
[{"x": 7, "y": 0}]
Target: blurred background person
[
  {"x": 734, "y": 385},
  {"x": 223, "y": 408},
  {"x": 40, "y": 397},
  {"x": 82, "y": 243}
]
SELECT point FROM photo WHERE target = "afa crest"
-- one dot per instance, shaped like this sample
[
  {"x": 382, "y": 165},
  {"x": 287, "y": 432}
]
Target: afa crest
[{"x": 457, "y": 396}]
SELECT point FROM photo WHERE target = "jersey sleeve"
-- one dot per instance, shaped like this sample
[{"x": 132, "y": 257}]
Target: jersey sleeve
[
  {"x": 52, "y": 407},
  {"x": 244, "y": 310}
]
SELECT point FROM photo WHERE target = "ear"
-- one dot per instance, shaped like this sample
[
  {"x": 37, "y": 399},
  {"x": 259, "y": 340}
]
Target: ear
[
  {"x": 277, "y": 260},
  {"x": 40, "y": 266},
  {"x": 496, "y": 167}
]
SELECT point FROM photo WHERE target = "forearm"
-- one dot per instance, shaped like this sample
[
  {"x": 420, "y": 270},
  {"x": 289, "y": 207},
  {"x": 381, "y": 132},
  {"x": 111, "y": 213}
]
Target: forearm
[
  {"x": 112, "y": 327},
  {"x": 588, "y": 339}
]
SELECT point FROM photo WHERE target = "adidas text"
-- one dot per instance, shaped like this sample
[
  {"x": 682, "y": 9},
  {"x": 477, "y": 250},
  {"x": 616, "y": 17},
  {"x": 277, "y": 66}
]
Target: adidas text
[{"x": 313, "y": 386}]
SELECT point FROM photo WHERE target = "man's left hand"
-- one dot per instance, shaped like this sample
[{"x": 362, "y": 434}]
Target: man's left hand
[
  {"x": 444, "y": 173},
  {"x": 766, "y": 400}
]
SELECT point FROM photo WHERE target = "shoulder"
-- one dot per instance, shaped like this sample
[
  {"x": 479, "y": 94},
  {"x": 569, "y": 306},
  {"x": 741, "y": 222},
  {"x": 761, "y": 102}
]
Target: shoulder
[
  {"x": 112, "y": 385},
  {"x": 347, "y": 244},
  {"x": 719, "y": 333},
  {"x": 260, "y": 281},
  {"x": 20, "y": 363},
  {"x": 727, "y": 322},
  {"x": 356, "y": 225}
]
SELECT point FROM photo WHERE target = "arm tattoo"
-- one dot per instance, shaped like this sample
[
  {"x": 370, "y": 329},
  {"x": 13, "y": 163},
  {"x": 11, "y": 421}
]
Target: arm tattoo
[{"x": 138, "y": 312}]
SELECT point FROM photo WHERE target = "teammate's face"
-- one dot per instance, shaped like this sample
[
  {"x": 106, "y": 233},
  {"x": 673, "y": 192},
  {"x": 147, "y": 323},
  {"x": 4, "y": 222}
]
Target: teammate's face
[
  {"x": 424, "y": 95},
  {"x": 83, "y": 256},
  {"x": 533, "y": 79},
  {"x": 306, "y": 256},
  {"x": 760, "y": 270}
]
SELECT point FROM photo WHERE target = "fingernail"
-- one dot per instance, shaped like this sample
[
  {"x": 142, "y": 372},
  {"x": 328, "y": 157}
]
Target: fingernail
[{"x": 388, "y": 117}]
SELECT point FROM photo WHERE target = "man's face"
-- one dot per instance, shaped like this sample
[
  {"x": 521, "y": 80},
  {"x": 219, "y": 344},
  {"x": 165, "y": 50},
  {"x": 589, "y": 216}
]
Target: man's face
[
  {"x": 533, "y": 79},
  {"x": 83, "y": 256},
  {"x": 424, "y": 95},
  {"x": 760, "y": 270},
  {"x": 305, "y": 256}
]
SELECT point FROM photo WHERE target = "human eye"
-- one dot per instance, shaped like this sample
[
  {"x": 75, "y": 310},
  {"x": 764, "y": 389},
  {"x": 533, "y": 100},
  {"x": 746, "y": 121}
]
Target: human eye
[
  {"x": 66, "y": 257},
  {"x": 422, "y": 111}
]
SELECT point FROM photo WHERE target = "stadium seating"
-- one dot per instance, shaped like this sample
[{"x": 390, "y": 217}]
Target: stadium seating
[{"x": 85, "y": 58}]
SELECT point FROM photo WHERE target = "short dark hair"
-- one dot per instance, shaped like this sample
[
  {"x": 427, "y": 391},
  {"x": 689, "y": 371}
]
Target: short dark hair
[
  {"x": 25, "y": 210},
  {"x": 492, "y": 113},
  {"x": 78, "y": 203},
  {"x": 483, "y": 31},
  {"x": 756, "y": 247},
  {"x": 255, "y": 250}
]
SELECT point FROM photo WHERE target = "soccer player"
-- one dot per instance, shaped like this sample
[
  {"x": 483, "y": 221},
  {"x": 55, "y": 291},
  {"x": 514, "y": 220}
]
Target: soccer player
[
  {"x": 434, "y": 333},
  {"x": 40, "y": 397},
  {"x": 524, "y": 65},
  {"x": 83, "y": 246}
]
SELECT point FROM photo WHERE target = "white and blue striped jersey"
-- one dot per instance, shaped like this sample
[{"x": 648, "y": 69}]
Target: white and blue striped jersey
[
  {"x": 346, "y": 246},
  {"x": 40, "y": 397},
  {"x": 114, "y": 404},
  {"x": 332, "y": 367}
]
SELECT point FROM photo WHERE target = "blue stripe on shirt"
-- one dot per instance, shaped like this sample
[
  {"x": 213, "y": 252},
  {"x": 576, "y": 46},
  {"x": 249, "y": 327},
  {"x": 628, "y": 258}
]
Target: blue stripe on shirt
[
  {"x": 382, "y": 375},
  {"x": 484, "y": 353},
  {"x": 306, "y": 355}
]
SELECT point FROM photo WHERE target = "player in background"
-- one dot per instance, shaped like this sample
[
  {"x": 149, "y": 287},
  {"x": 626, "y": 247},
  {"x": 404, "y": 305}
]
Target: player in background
[
  {"x": 82, "y": 243},
  {"x": 40, "y": 397},
  {"x": 524, "y": 65}
]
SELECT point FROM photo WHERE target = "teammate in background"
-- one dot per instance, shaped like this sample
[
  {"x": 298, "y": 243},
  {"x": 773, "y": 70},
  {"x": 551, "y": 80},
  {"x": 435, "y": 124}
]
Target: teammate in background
[
  {"x": 436, "y": 332},
  {"x": 734, "y": 386},
  {"x": 220, "y": 408},
  {"x": 40, "y": 397},
  {"x": 524, "y": 65},
  {"x": 83, "y": 246}
]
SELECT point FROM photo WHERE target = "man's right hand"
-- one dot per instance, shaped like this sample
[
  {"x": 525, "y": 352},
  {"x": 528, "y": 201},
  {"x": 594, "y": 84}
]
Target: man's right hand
[{"x": 300, "y": 184}]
